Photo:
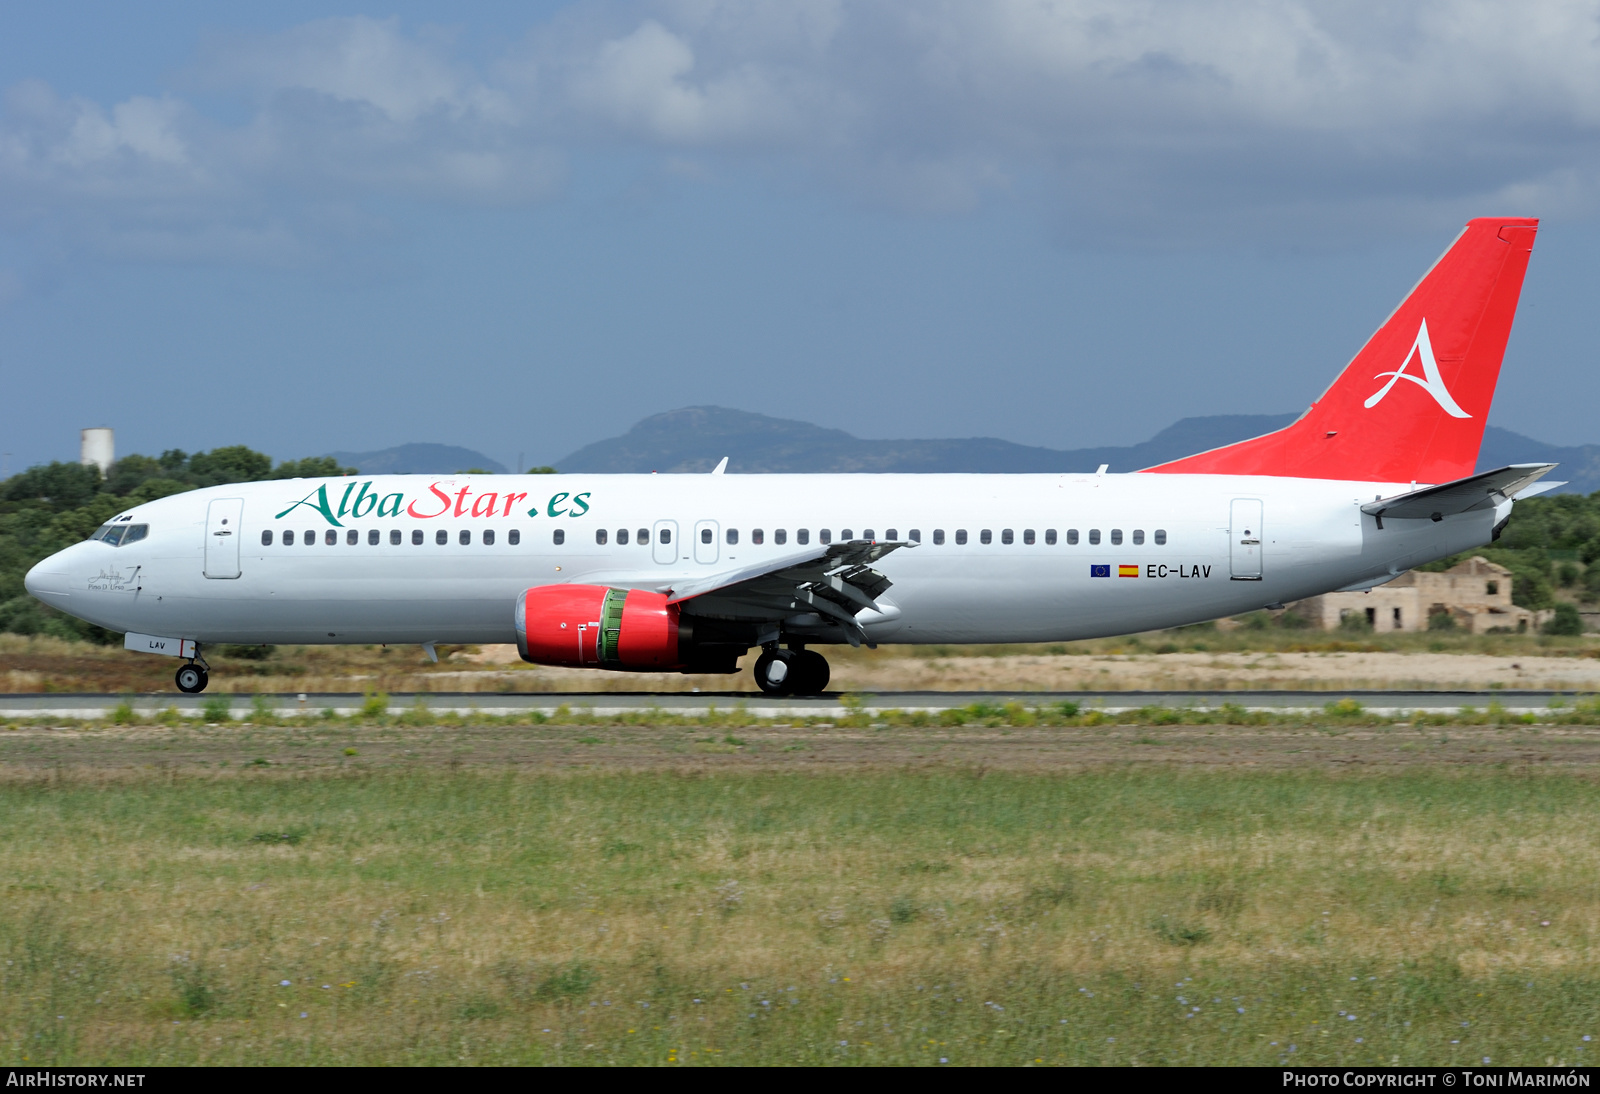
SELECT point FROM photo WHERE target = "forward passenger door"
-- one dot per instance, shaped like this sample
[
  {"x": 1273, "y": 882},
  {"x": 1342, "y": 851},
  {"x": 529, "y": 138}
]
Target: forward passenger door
[{"x": 222, "y": 537}]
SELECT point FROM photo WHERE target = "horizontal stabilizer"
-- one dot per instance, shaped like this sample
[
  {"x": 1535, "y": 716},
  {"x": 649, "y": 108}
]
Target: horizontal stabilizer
[{"x": 1483, "y": 491}]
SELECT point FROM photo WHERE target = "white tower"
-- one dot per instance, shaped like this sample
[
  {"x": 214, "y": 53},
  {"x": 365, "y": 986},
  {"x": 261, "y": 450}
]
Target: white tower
[{"x": 98, "y": 448}]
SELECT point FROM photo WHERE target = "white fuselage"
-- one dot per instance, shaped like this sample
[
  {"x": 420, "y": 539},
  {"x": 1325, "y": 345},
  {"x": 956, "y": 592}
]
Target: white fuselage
[{"x": 1312, "y": 536}]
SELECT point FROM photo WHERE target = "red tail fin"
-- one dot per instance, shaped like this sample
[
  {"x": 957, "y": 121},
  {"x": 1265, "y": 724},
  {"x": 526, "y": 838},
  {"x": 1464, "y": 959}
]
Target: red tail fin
[{"x": 1412, "y": 404}]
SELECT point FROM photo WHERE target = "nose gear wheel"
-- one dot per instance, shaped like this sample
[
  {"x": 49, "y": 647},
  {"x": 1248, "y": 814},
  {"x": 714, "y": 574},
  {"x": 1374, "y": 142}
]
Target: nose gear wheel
[{"x": 192, "y": 679}]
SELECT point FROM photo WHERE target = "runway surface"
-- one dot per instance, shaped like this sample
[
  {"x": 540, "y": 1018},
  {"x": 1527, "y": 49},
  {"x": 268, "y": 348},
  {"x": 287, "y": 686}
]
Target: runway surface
[{"x": 611, "y": 704}]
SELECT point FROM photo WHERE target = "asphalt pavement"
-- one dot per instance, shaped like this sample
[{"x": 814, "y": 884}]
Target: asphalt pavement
[{"x": 611, "y": 704}]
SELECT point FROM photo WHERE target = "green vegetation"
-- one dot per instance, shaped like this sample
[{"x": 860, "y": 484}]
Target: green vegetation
[
  {"x": 52, "y": 506},
  {"x": 1552, "y": 543},
  {"x": 374, "y": 711},
  {"x": 434, "y": 916}
]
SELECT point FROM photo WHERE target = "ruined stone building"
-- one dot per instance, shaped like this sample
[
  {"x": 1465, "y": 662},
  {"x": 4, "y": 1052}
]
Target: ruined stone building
[{"x": 1476, "y": 593}]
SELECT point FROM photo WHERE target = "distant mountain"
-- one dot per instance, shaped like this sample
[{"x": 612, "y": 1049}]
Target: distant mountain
[
  {"x": 1580, "y": 464},
  {"x": 418, "y": 459},
  {"x": 695, "y": 438}
]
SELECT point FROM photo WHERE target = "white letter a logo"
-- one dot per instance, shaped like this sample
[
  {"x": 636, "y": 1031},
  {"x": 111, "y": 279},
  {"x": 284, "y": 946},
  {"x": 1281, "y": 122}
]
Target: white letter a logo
[{"x": 1431, "y": 381}]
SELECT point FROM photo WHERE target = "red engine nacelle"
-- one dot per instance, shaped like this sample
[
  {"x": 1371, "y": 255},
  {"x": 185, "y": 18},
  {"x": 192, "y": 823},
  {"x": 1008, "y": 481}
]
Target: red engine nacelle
[{"x": 591, "y": 626}]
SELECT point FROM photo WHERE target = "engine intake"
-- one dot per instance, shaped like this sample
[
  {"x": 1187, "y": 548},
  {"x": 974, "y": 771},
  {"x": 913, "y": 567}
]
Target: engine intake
[{"x": 591, "y": 626}]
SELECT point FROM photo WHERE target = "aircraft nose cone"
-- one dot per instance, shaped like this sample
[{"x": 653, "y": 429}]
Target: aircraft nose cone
[{"x": 48, "y": 581}]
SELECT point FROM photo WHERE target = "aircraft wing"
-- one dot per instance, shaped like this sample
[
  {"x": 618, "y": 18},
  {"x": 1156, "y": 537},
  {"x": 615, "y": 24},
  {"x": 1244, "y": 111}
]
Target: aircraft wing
[
  {"x": 1483, "y": 491},
  {"x": 834, "y": 581}
]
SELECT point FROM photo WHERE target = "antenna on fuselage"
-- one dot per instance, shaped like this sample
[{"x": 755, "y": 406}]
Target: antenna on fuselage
[{"x": 721, "y": 468}]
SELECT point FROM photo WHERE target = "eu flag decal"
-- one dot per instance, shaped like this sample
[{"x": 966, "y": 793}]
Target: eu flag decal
[{"x": 1099, "y": 571}]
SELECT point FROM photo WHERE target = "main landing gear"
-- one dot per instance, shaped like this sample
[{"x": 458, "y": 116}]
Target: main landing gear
[
  {"x": 192, "y": 678},
  {"x": 792, "y": 672}
]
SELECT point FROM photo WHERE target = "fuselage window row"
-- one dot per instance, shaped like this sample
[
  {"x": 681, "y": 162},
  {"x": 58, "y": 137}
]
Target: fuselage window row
[
  {"x": 352, "y": 537},
  {"x": 780, "y": 536}
]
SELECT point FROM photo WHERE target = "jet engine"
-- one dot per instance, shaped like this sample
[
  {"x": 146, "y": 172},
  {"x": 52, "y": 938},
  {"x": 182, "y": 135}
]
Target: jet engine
[{"x": 591, "y": 626}]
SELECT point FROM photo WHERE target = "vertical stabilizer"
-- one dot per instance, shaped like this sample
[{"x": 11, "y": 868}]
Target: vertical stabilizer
[{"x": 1412, "y": 405}]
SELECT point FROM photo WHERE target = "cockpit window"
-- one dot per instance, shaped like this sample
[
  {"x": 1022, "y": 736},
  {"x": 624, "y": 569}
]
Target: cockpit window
[{"x": 120, "y": 535}]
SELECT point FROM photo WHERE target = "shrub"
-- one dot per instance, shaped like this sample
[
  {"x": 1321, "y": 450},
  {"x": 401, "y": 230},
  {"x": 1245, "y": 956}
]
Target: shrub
[
  {"x": 1356, "y": 622},
  {"x": 1441, "y": 621},
  {"x": 218, "y": 709},
  {"x": 1566, "y": 620}
]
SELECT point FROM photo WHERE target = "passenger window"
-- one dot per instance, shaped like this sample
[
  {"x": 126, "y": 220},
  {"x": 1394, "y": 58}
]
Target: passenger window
[
  {"x": 705, "y": 535},
  {"x": 559, "y": 536},
  {"x": 824, "y": 536},
  {"x": 1138, "y": 537},
  {"x": 330, "y": 537},
  {"x": 1006, "y": 536},
  {"x": 600, "y": 536},
  {"x": 961, "y": 536},
  {"x": 266, "y": 538},
  {"x": 488, "y": 537},
  {"x": 866, "y": 533},
  {"x": 352, "y": 537},
  {"x": 845, "y": 536},
  {"x": 938, "y": 537},
  {"x": 666, "y": 535},
  {"x": 733, "y": 537},
  {"x": 622, "y": 537},
  {"x": 1027, "y": 536},
  {"x": 916, "y": 535},
  {"x": 757, "y": 536},
  {"x": 1116, "y": 537},
  {"x": 466, "y": 537},
  {"x": 135, "y": 533},
  {"x": 890, "y": 535},
  {"x": 780, "y": 537},
  {"x": 441, "y": 537},
  {"x": 1050, "y": 537},
  {"x": 394, "y": 537},
  {"x": 416, "y": 537},
  {"x": 514, "y": 536},
  {"x": 643, "y": 537},
  {"x": 986, "y": 536},
  {"x": 1094, "y": 537},
  {"x": 802, "y": 536},
  {"x": 1072, "y": 537},
  {"x": 1161, "y": 537}
]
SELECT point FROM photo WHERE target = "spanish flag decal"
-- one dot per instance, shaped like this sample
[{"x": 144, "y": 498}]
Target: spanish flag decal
[{"x": 1127, "y": 571}]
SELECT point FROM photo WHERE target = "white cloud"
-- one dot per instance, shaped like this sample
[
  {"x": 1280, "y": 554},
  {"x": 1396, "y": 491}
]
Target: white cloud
[{"x": 1165, "y": 120}]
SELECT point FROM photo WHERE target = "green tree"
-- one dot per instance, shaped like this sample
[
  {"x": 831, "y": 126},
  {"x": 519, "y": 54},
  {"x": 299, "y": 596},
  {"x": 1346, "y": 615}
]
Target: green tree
[{"x": 1566, "y": 620}]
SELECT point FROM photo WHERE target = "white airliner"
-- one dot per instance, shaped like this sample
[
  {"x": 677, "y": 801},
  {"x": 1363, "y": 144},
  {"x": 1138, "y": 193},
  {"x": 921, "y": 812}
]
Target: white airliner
[{"x": 688, "y": 573}]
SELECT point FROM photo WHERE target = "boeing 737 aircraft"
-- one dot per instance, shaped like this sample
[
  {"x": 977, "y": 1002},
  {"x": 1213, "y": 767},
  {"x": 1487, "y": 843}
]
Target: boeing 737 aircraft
[{"x": 689, "y": 573}]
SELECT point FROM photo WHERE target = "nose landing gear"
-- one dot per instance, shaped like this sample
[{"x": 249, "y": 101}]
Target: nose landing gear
[
  {"x": 192, "y": 678},
  {"x": 792, "y": 672}
]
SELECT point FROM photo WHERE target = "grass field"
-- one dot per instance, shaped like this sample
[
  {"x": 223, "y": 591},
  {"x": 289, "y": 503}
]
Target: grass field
[
  {"x": 1201, "y": 657},
  {"x": 439, "y": 913}
]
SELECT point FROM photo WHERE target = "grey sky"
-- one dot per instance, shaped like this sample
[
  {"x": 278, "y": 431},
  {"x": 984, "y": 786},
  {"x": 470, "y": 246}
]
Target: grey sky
[{"x": 521, "y": 228}]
